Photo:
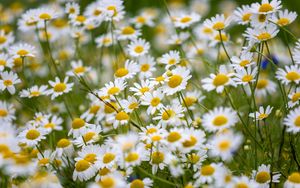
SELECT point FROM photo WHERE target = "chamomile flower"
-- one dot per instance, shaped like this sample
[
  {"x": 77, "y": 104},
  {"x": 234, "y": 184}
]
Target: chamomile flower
[
  {"x": 217, "y": 23},
  {"x": 138, "y": 47},
  {"x": 78, "y": 125},
  {"x": 5, "y": 39},
  {"x": 284, "y": 17},
  {"x": 263, "y": 176},
  {"x": 89, "y": 135},
  {"x": 52, "y": 123},
  {"x": 245, "y": 76},
  {"x": 218, "y": 81},
  {"x": 113, "y": 88},
  {"x": 8, "y": 81},
  {"x": 244, "y": 60},
  {"x": 78, "y": 69},
  {"x": 84, "y": 170},
  {"x": 46, "y": 13},
  {"x": 257, "y": 35},
  {"x": 289, "y": 75},
  {"x": 153, "y": 100},
  {"x": 242, "y": 15},
  {"x": 34, "y": 91},
  {"x": 224, "y": 145},
  {"x": 120, "y": 118},
  {"x": 146, "y": 66},
  {"x": 178, "y": 39},
  {"x": 219, "y": 119},
  {"x": 128, "y": 71},
  {"x": 64, "y": 147},
  {"x": 95, "y": 110},
  {"x": 105, "y": 40},
  {"x": 22, "y": 50},
  {"x": 142, "y": 88},
  {"x": 171, "y": 58},
  {"x": 195, "y": 159},
  {"x": 294, "y": 98},
  {"x": 145, "y": 183},
  {"x": 108, "y": 157},
  {"x": 28, "y": 21},
  {"x": 5, "y": 61},
  {"x": 174, "y": 138},
  {"x": 130, "y": 104},
  {"x": 293, "y": 181},
  {"x": 113, "y": 180},
  {"x": 244, "y": 181},
  {"x": 59, "y": 88},
  {"x": 194, "y": 138},
  {"x": 136, "y": 156},
  {"x": 207, "y": 173},
  {"x": 113, "y": 9},
  {"x": 262, "y": 113},
  {"x": 264, "y": 87},
  {"x": 32, "y": 135},
  {"x": 128, "y": 33},
  {"x": 292, "y": 121},
  {"x": 176, "y": 80},
  {"x": 7, "y": 112},
  {"x": 45, "y": 159},
  {"x": 260, "y": 20},
  {"x": 186, "y": 20},
  {"x": 159, "y": 158},
  {"x": 142, "y": 19},
  {"x": 170, "y": 115},
  {"x": 193, "y": 97},
  {"x": 72, "y": 9},
  {"x": 266, "y": 7}
]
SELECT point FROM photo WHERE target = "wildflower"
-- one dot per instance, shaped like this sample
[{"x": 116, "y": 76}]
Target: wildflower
[
  {"x": 217, "y": 23},
  {"x": 186, "y": 20},
  {"x": 138, "y": 47},
  {"x": 59, "y": 88},
  {"x": 257, "y": 35},
  {"x": 266, "y": 6},
  {"x": 128, "y": 71},
  {"x": 243, "y": 15},
  {"x": 8, "y": 80},
  {"x": 34, "y": 91},
  {"x": 262, "y": 114},
  {"x": 263, "y": 176},
  {"x": 171, "y": 58},
  {"x": 245, "y": 76},
  {"x": 22, "y": 50},
  {"x": 292, "y": 121},
  {"x": 31, "y": 136},
  {"x": 289, "y": 75},
  {"x": 293, "y": 180},
  {"x": 284, "y": 17}
]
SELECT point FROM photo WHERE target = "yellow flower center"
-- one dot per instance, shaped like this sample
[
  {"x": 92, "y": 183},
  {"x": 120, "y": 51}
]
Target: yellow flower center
[
  {"x": 2, "y": 39},
  {"x": 155, "y": 101},
  {"x": 94, "y": 109},
  {"x": 133, "y": 156},
  {"x": 295, "y": 97},
  {"x": 157, "y": 157},
  {"x": 191, "y": 142},
  {"x": 137, "y": 184},
  {"x": 262, "y": 116},
  {"x": 22, "y": 52},
  {"x": 167, "y": 114},
  {"x": 262, "y": 18},
  {"x": 243, "y": 63},
  {"x": 156, "y": 138},
  {"x": 82, "y": 165},
  {"x": 175, "y": 81},
  {"x": 246, "y": 17},
  {"x": 262, "y": 177},
  {"x": 207, "y": 30},
  {"x": 283, "y": 21},
  {"x": 266, "y": 7},
  {"x": 45, "y": 16},
  {"x": 89, "y": 136},
  {"x": 207, "y": 170},
  {"x": 193, "y": 158},
  {"x": 2, "y": 62},
  {"x": 60, "y": 87},
  {"x": 159, "y": 79},
  {"x": 262, "y": 83},
  {"x": 97, "y": 12},
  {"x": 108, "y": 157},
  {"x": 3, "y": 113},
  {"x": 35, "y": 93},
  {"x": 264, "y": 36},
  {"x": 62, "y": 143},
  {"x": 49, "y": 125},
  {"x": 189, "y": 101},
  {"x": 44, "y": 161},
  {"x": 32, "y": 134},
  {"x": 151, "y": 130},
  {"x": 218, "y": 26},
  {"x": 7, "y": 82},
  {"x": 241, "y": 185},
  {"x": 220, "y": 79},
  {"x": 133, "y": 105},
  {"x": 247, "y": 78},
  {"x": 128, "y": 30},
  {"x": 145, "y": 67},
  {"x": 122, "y": 116},
  {"x": 79, "y": 70},
  {"x": 294, "y": 178},
  {"x": 108, "y": 109},
  {"x": 224, "y": 145},
  {"x": 292, "y": 76},
  {"x": 172, "y": 61},
  {"x": 113, "y": 91},
  {"x": 91, "y": 157},
  {"x": 185, "y": 19},
  {"x": 107, "y": 182},
  {"x": 297, "y": 121},
  {"x": 173, "y": 136},
  {"x": 220, "y": 120},
  {"x": 121, "y": 72},
  {"x": 78, "y": 123},
  {"x": 104, "y": 171},
  {"x": 80, "y": 18},
  {"x": 141, "y": 19},
  {"x": 112, "y": 8},
  {"x": 223, "y": 37},
  {"x": 139, "y": 49}
]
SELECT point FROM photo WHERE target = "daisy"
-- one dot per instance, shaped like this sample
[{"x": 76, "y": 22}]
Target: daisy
[
  {"x": 224, "y": 145},
  {"x": 146, "y": 66},
  {"x": 257, "y": 35},
  {"x": 46, "y": 13},
  {"x": 7, "y": 112},
  {"x": 113, "y": 88},
  {"x": 171, "y": 58},
  {"x": 266, "y": 7},
  {"x": 242, "y": 15},
  {"x": 89, "y": 135},
  {"x": 193, "y": 140},
  {"x": 284, "y": 17},
  {"x": 105, "y": 40},
  {"x": 178, "y": 39},
  {"x": 262, "y": 113},
  {"x": 5, "y": 39},
  {"x": 45, "y": 159},
  {"x": 95, "y": 110},
  {"x": 5, "y": 61},
  {"x": 84, "y": 170},
  {"x": 113, "y": 9},
  {"x": 64, "y": 147},
  {"x": 142, "y": 88},
  {"x": 243, "y": 181},
  {"x": 32, "y": 135},
  {"x": 217, "y": 23},
  {"x": 219, "y": 37},
  {"x": 120, "y": 118},
  {"x": 78, "y": 125},
  {"x": 135, "y": 156},
  {"x": 108, "y": 157},
  {"x": 52, "y": 123},
  {"x": 195, "y": 159},
  {"x": 174, "y": 137},
  {"x": 94, "y": 11},
  {"x": 22, "y": 50},
  {"x": 265, "y": 86},
  {"x": 176, "y": 80},
  {"x": 138, "y": 47},
  {"x": 245, "y": 76},
  {"x": 218, "y": 81},
  {"x": 192, "y": 98},
  {"x": 219, "y": 119},
  {"x": 142, "y": 19},
  {"x": 207, "y": 173},
  {"x": 293, "y": 180},
  {"x": 260, "y": 20},
  {"x": 186, "y": 20},
  {"x": 203, "y": 32},
  {"x": 263, "y": 176},
  {"x": 89, "y": 153},
  {"x": 28, "y": 21},
  {"x": 244, "y": 60},
  {"x": 128, "y": 33},
  {"x": 8, "y": 80},
  {"x": 111, "y": 180},
  {"x": 72, "y": 9},
  {"x": 34, "y": 91},
  {"x": 78, "y": 69},
  {"x": 78, "y": 20},
  {"x": 292, "y": 121},
  {"x": 130, "y": 104},
  {"x": 170, "y": 115},
  {"x": 289, "y": 75},
  {"x": 145, "y": 183},
  {"x": 128, "y": 71},
  {"x": 294, "y": 98},
  {"x": 59, "y": 88},
  {"x": 153, "y": 101},
  {"x": 159, "y": 158}
]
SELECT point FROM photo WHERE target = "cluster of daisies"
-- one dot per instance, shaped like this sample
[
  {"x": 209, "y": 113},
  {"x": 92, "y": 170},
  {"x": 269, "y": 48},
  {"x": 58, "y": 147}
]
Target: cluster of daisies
[{"x": 94, "y": 97}]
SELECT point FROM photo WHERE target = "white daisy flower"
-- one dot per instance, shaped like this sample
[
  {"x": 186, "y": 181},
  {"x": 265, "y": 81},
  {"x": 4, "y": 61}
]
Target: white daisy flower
[
  {"x": 8, "y": 80},
  {"x": 108, "y": 157},
  {"x": 128, "y": 71},
  {"x": 59, "y": 88},
  {"x": 113, "y": 88},
  {"x": 292, "y": 121},
  {"x": 52, "y": 123},
  {"x": 5, "y": 61},
  {"x": 245, "y": 76},
  {"x": 7, "y": 112},
  {"x": 128, "y": 33},
  {"x": 294, "y": 98},
  {"x": 256, "y": 35},
  {"x": 105, "y": 40},
  {"x": 171, "y": 58},
  {"x": 138, "y": 47},
  {"x": 193, "y": 140},
  {"x": 242, "y": 15},
  {"x": 217, "y": 23},
  {"x": 146, "y": 66},
  {"x": 64, "y": 147},
  {"x": 46, "y": 13},
  {"x": 142, "y": 19},
  {"x": 113, "y": 9},
  {"x": 289, "y": 75},
  {"x": 136, "y": 156},
  {"x": 207, "y": 173},
  {"x": 32, "y": 135},
  {"x": 114, "y": 179},
  {"x": 186, "y": 20},
  {"x": 5, "y": 39},
  {"x": 158, "y": 159},
  {"x": 145, "y": 183},
  {"x": 284, "y": 17},
  {"x": 95, "y": 110},
  {"x": 170, "y": 115},
  {"x": 219, "y": 119},
  {"x": 262, "y": 113},
  {"x": 142, "y": 88},
  {"x": 34, "y": 91},
  {"x": 244, "y": 181},
  {"x": 263, "y": 176},
  {"x": 78, "y": 69},
  {"x": 293, "y": 181},
  {"x": 89, "y": 135},
  {"x": 130, "y": 104},
  {"x": 78, "y": 125},
  {"x": 45, "y": 159},
  {"x": 153, "y": 101},
  {"x": 244, "y": 60},
  {"x": 120, "y": 118},
  {"x": 264, "y": 87},
  {"x": 178, "y": 39},
  {"x": 22, "y": 50},
  {"x": 260, "y": 20},
  {"x": 72, "y": 9},
  {"x": 266, "y": 7},
  {"x": 84, "y": 170}
]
